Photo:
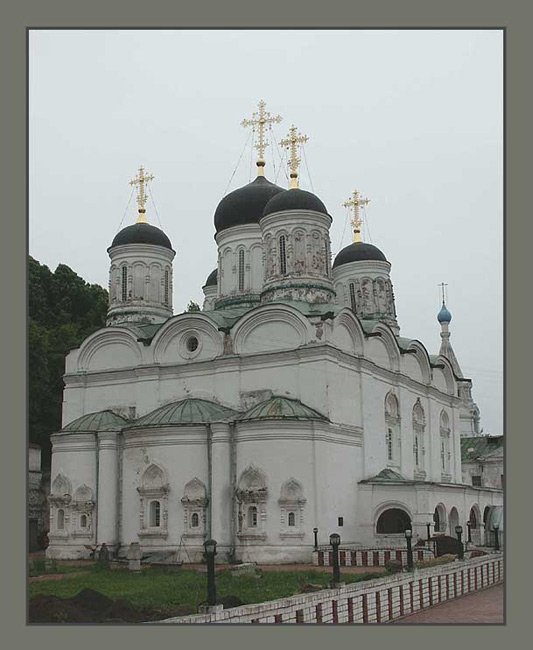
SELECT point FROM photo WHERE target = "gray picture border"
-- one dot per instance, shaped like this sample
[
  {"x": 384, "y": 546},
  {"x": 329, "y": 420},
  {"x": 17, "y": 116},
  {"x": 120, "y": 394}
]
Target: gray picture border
[{"x": 383, "y": 14}]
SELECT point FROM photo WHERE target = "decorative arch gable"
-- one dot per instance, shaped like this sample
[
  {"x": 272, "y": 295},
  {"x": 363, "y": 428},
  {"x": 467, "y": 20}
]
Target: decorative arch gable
[
  {"x": 109, "y": 348},
  {"x": 348, "y": 333},
  {"x": 153, "y": 511},
  {"x": 271, "y": 327},
  {"x": 382, "y": 348},
  {"x": 171, "y": 343},
  {"x": 61, "y": 486},
  {"x": 252, "y": 494},
  {"x": 449, "y": 385}
]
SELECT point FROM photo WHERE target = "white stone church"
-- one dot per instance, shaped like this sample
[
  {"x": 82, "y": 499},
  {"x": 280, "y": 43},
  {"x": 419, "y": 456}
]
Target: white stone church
[{"x": 289, "y": 402}]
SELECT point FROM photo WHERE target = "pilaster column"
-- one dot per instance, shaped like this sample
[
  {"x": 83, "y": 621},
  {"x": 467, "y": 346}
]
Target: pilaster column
[
  {"x": 221, "y": 501},
  {"x": 107, "y": 488}
]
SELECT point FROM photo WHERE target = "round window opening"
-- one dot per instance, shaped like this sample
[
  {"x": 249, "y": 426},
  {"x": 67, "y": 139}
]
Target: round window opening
[{"x": 192, "y": 343}]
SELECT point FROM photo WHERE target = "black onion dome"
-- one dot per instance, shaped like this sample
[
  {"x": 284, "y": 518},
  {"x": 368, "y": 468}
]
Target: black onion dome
[
  {"x": 141, "y": 233},
  {"x": 357, "y": 252},
  {"x": 212, "y": 279},
  {"x": 245, "y": 205},
  {"x": 294, "y": 199}
]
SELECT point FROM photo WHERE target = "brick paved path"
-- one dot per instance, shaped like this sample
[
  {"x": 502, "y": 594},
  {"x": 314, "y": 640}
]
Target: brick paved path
[{"x": 484, "y": 606}]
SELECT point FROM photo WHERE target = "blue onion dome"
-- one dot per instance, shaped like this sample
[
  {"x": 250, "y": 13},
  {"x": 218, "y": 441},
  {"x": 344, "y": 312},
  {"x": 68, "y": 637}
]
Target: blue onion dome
[
  {"x": 444, "y": 315},
  {"x": 357, "y": 252},
  {"x": 141, "y": 233},
  {"x": 245, "y": 205},
  {"x": 212, "y": 279},
  {"x": 294, "y": 199}
]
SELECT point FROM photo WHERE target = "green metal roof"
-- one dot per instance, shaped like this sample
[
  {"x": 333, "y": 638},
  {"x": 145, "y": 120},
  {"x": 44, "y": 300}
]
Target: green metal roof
[
  {"x": 386, "y": 476},
  {"x": 478, "y": 446},
  {"x": 184, "y": 412},
  {"x": 93, "y": 422},
  {"x": 282, "y": 408}
]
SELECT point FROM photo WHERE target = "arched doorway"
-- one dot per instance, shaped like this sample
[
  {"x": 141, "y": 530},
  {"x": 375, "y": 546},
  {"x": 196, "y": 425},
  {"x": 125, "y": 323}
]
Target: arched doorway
[
  {"x": 439, "y": 519},
  {"x": 473, "y": 518},
  {"x": 453, "y": 521},
  {"x": 393, "y": 521},
  {"x": 486, "y": 532}
]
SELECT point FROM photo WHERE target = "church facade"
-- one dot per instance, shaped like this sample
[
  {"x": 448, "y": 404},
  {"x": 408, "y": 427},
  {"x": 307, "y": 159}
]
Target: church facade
[{"x": 289, "y": 402}]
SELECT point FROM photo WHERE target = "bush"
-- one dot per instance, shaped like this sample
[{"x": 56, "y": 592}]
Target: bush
[
  {"x": 443, "y": 559},
  {"x": 393, "y": 566}
]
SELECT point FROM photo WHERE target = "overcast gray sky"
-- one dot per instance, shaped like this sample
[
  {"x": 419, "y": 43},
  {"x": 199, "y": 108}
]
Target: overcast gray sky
[{"x": 413, "y": 119}]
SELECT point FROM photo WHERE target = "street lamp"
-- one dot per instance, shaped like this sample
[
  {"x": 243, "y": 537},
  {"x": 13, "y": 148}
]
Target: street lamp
[
  {"x": 459, "y": 531},
  {"x": 210, "y": 547},
  {"x": 496, "y": 530},
  {"x": 315, "y": 533},
  {"x": 408, "y": 537},
  {"x": 428, "y": 526},
  {"x": 335, "y": 540}
]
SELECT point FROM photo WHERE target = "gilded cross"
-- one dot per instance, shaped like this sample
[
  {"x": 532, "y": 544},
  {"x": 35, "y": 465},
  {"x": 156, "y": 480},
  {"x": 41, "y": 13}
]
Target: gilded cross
[
  {"x": 141, "y": 180},
  {"x": 261, "y": 119},
  {"x": 294, "y": 161},
  {"x": 356, "y": 202}
]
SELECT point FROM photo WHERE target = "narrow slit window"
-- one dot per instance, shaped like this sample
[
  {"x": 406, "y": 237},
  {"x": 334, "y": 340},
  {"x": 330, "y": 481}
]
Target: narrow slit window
[
  {"x": 167, "y": 287},
  {"x": 155, "y": 514},
  {"x": 83, "y": 521},
  {"x": 195, "y": 520},
  {"x": 292, "y": 519},
  {"x": 60, "y": 519},
  {"x": 124, "y": 283},
  {"x": 241, "y": 270},
  {"x": 352, "y": 296},
  {"x": 252, "y": 517},
  {"x": 282, "y": 256},
  {"x": 389, "y": 444}
]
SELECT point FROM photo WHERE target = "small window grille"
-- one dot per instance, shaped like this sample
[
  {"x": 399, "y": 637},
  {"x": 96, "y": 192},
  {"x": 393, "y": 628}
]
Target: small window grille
[
  {"x": 241, "y": 270},
  {"x": 252, "y": 517},
  {"x": 340, "y": 521},
  {"x": 476, "y": 481},
  {"x": 282, "y": 255},
  {"x": 195, "y": 521},
  {"x": 352, "y": 296},
  {"x": 83, "y": 521},
  {"x": 167, "y": 287},
  {"x": 417, "y": 452},
  {"x": 292, "y": 519},
  {"x": 124, "y": 283},
  {"x": 389, "y": 444},
  {"x": 155, "y": 514}
]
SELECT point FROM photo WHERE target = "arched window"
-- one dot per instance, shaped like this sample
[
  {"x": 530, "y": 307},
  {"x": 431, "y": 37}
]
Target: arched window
[
  {"x": 124, "y": 283},
  {"x": 83, "y": 521},
  {"x": 392, "y": 435},
  {"x": 155, "y": 514},
  {"x": 60, "y": 519},
  {"x": 241, "y": 270},
  {"x": 393, "y": 521},
  {"x": 252, "y": 517},
  {"x": 167, "y": 287},
  {"x": 436, "y": 521},
  {"x": 352, "y": 296},
  {"x": 195, "y": 520},
  {"x": 419, "y": 425},
  {"x": 291, "y": 520},
  {"x": 282, "y": 256}
]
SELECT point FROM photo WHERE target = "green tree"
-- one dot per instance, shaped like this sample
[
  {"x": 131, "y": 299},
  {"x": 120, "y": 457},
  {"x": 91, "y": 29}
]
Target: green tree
[
  {"x": 63, "y": 311},
  {"x": 193, "y": 306}
]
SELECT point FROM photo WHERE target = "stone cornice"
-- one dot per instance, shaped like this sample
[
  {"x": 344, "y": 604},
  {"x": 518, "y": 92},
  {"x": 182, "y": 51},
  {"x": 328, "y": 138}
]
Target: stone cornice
[{"x": 310, "y": 352}]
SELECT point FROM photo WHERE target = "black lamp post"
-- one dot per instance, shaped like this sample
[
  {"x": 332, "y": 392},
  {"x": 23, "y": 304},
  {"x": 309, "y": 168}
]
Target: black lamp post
[
  {"x": 408, "y": 537},
  {"x": 459, "y": 531},
  {"x": 315, "y": 533},
  {"x": 496, "y": 530},
  {"x": 335, "y": 540},
  {"x": 210, "y": 547},
  {"x": 428, "y": 526}
]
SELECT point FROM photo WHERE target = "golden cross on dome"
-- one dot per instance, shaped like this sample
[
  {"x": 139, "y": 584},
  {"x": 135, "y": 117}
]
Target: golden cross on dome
[
  {"x": 356, "y": 202},
  {"x": 261, "y": 119},
  {"x": 294, "y": 161},
  {"x": 141, "y": 180}
]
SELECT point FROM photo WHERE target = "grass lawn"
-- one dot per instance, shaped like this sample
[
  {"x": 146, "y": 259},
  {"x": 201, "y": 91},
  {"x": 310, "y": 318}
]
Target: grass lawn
[{"x": 161, "y": 589}]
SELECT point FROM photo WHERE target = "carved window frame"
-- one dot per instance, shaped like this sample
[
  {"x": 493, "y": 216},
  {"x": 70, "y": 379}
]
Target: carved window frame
[
  {"x": 82, "y": 505},
  {"x": 147, "y": 494},
  {"x": 194, "y": 505},
  {"x": 292, "y": 503}
]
